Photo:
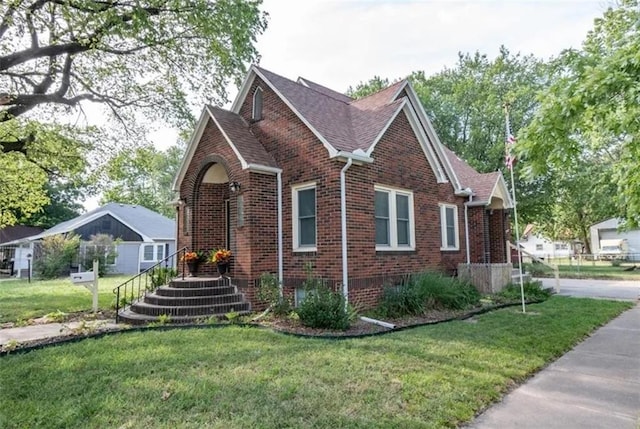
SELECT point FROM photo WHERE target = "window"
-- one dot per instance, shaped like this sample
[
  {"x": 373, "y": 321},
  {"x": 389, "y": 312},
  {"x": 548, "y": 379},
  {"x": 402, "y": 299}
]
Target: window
[
  {"x": 304, "y": 217},
  {"x": 256, "y": 113},
  {"x": 561, "y": 246},
  {"x": 449, "y": 227},
  {"x": 393, "y": 210},
  {"x": 152, "y": 252},
  {"x": 539, "y": 247}
]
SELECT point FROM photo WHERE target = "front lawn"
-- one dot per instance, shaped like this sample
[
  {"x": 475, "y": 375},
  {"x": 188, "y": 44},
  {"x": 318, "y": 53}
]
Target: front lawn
[
  {"x": 588, "y": 270},
  {"x": 21, "y": 300},
  {"x": 235, "y": 377}
]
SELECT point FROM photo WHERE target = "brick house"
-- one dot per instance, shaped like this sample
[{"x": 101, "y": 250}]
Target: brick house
[{"x": 297, "y": 173}]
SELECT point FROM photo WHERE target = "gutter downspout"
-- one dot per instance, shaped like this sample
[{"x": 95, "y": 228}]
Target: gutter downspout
[
  {"x": 466, "y": 228},
  {"x": 343, "y": 213},
  {"x": 280, "y": 270}
]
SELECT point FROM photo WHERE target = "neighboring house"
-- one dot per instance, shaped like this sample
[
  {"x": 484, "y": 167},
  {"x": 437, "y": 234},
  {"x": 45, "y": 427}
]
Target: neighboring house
[
  {"x": 363, "y": 190},
  {"x": 544, "y": 248},
  {"x": 144, "y": 236},
  {"x": 608, "y": 230},
  {"x": 15, "y": 256}
]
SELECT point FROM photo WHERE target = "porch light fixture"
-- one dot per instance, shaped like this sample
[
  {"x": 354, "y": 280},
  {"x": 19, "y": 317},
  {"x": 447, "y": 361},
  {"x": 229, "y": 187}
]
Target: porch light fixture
[{"x": 234, "y": 187}]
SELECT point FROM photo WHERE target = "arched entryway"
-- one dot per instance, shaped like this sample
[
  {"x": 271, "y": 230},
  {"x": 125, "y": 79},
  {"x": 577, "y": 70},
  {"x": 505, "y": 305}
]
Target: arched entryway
[{"x": 211, "y": 215}]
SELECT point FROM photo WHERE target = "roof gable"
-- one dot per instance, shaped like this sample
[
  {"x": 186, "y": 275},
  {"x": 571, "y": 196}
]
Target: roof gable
[{"x": 148, "y": 224}]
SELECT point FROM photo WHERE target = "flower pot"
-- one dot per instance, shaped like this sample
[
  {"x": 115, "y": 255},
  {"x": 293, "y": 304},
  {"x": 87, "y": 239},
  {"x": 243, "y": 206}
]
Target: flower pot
[
  {"x": 193, "y": 268},
  {"x": 223, "y": 267}
]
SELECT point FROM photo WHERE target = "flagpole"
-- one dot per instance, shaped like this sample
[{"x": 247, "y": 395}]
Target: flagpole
[{"x": 510, "y": 160}]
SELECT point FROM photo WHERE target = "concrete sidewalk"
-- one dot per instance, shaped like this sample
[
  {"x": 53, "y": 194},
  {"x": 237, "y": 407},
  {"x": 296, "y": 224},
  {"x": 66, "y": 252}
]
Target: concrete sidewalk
[
  {"x": 595, "y": 385},
  {"x": 50, "y": 330}
]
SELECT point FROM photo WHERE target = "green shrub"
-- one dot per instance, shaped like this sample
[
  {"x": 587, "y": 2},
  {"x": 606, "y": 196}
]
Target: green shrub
[
  {"x": 57, "y": 253},
  {"x": 445, "y": 292},
  {"x": 161, "y": 276},
  {"x": 322, "y": 308},
  {"x": 269, "y": 291},
  {"x": 101, "y": 247},
  {"x": 427, "y": 291},
  {"x": 536, "y": 269},
  {"x": 616, "y": 262},
  {"x": 398, "y": 301},
  {"x": 533, "y": 291}
]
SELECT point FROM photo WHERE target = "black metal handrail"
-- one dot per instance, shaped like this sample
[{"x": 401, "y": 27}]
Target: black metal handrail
[{"x": 149, "y": 280}]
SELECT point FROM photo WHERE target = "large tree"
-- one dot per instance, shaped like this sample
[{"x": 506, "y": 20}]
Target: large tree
[
  {"x": 144, "y": 60},
  {"x": 589, "y": 115},
  {"x": 142, "y": 176}
]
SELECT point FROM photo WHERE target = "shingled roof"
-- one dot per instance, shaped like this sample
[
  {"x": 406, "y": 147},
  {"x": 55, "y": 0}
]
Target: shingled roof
[
  {"x": 241, "y": 139},
  {"x": 482, "y": 184},
  {"x": 347, "y": 124}
]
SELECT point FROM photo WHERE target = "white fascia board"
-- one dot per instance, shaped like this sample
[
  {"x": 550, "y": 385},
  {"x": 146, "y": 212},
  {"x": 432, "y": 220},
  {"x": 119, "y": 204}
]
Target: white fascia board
[
  {"x": 357, "y": 159},
  {"x": 437, "y": 145},
  {"x": 424, "y": 142},
  {"x": 385, "y": 128},
  {"x": 263, "y": 169},
  {"x": 244, "y": 89},
  {"x": 400, "y": 89},
  {"x": 477, "y": 203},
  {"x": 243, "y": 163},
  {"x": 505, "y": 190},
  {"x": 332, "y": 150},
  {"x": 191, "y": 149}
]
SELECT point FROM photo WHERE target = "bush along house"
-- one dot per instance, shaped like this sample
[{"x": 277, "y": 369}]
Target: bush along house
[{"x": 363, "y": 190}]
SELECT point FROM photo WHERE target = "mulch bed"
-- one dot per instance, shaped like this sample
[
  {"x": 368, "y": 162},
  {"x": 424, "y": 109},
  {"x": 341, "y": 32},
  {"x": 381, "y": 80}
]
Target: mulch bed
[{"x": 284, "y": 325}]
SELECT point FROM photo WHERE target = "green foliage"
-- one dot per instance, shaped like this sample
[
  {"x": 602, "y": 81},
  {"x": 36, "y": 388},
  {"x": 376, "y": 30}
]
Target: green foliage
[
  {"x": 30, "y": 174},
  {"x": 364, "y": 89},
  {"x": 533, "y": 291},
  {"x": 161, "y": 276},
  {"x": 142, "y": 176},
  {"x": 427, "y": 291},
  {"x": 322, "y": 308},
  {"x": 269, "y": 291},
  {"x": 536, "y": 269},
  {"x": 56, "y": 316},
  {"x": 616, "y": 262},
  {"x": 57, "y": 253},
  {"x": 101, "y": 247},
  {"x": 588, "y": 115}
]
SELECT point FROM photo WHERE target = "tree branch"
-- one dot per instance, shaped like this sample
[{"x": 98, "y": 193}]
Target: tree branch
[{"x": 6, "y": 19}]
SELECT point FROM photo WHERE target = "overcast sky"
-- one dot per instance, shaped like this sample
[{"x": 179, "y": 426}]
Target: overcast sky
[{"x": 341, "y": 43}]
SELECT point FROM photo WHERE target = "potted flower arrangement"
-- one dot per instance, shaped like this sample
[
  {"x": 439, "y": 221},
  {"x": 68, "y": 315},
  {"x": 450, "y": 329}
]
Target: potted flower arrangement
[
  {"x": 221, "y": 258},
  {"x": 193, "y": 260}
]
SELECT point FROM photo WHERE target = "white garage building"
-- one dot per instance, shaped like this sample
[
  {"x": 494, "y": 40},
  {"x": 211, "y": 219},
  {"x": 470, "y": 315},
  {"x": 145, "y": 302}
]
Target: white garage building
[{"x": 608, "y": 230}]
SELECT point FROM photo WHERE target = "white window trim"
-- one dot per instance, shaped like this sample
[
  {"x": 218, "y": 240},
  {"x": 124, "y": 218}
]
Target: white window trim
[
  {"x": 443, "y": 227},
  {"x": 155, "y": 252},
  {"x": 294, "y": 210},
  {"x": 393, "y": 220}
]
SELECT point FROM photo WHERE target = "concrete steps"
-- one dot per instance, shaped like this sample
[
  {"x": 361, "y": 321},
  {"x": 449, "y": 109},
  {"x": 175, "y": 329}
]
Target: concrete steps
[{"x": 187, "y": 300}]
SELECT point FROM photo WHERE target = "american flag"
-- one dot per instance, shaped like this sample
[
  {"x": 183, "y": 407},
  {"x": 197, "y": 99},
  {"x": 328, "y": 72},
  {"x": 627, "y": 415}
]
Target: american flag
[{"x": 510, "y": 159}]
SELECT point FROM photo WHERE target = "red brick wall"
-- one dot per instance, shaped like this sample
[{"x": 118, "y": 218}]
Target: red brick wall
[
  {"x": 498, "y": 227},
  {"x": 400, "y": 162}
]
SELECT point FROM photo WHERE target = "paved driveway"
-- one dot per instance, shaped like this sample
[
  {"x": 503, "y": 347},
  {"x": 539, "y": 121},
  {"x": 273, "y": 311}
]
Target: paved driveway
[{"x": 613, "y": 289}]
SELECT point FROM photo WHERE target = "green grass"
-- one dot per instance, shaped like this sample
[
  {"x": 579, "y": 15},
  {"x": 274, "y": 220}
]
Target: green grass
[
  {"x": 591, "y": 270},
  {"x": 234, "y": 377},
  {"x": 21, "y": 300}
]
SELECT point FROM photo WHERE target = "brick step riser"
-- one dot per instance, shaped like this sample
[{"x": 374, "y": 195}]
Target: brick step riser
[
  {"x": 186, "y": 284},
  {"x": 187, "y": 292},
  {"x": 198, "y": 300},
  {"x": 185, "y": 319},
  {"x": 212, "y": 310}
]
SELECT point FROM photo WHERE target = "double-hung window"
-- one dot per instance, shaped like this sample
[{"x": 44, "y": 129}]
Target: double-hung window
[
  {"x": 394, "y": 219},
  {"x": 304, "y": 217},
  {"x": 449, "y": 227},
  {"x": 152, "y": 252}
]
